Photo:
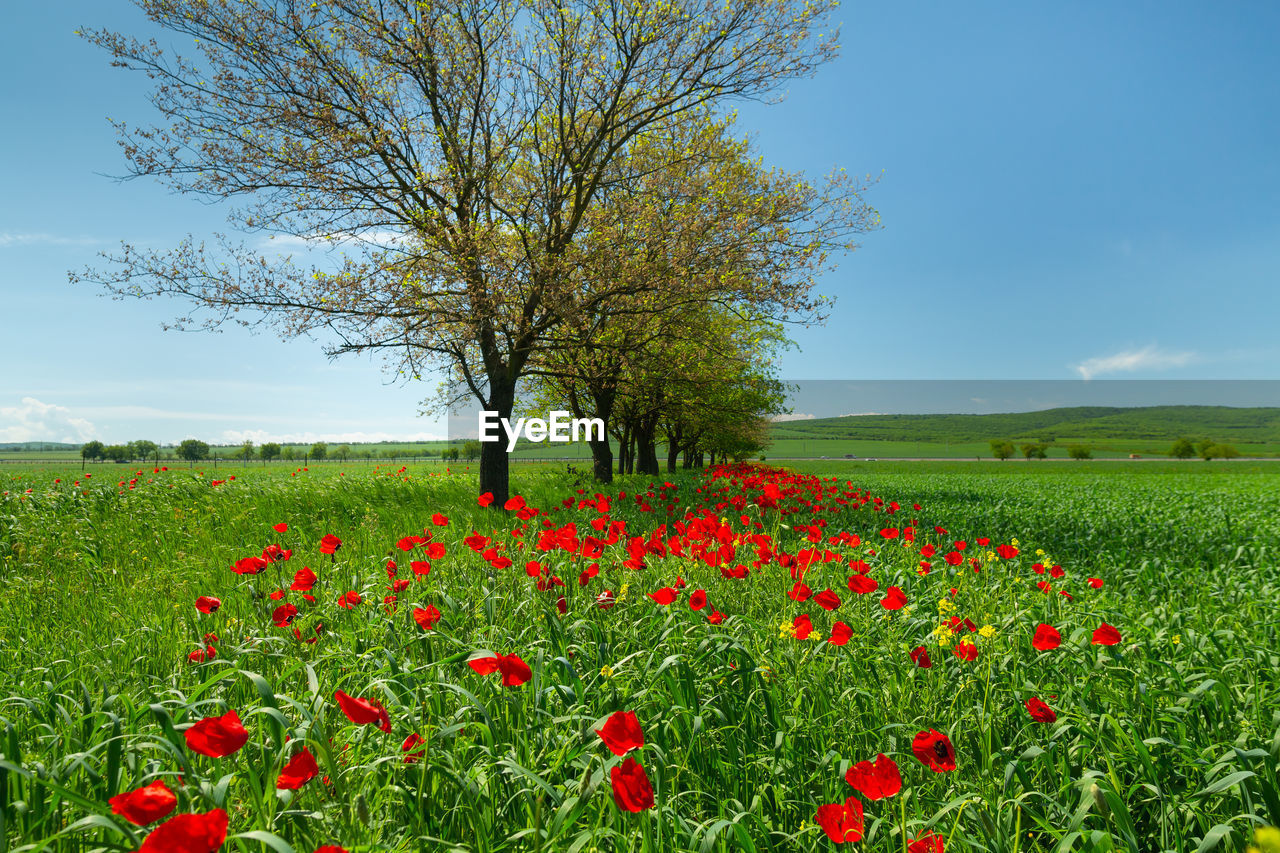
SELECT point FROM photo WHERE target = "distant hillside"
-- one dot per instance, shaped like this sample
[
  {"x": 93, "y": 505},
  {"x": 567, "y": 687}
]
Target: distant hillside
[
  {"x": 15, "y": 446},
  {"x": 1101, "y": 423}
]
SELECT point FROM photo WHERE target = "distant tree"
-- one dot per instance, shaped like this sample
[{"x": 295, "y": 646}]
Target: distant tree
[
  {"x": 343, "y": 452},
  {"x": 1080, "y": 451},
  {"x": 269, "y": 451},
  {"x": 362, "y": 453},
  {"x": 192, "y": 449},
  {"x": 142, "y": 449},
  {"x": 93, "y": 450},
  {"x": 117, "y": 452},
  {"x": 1001, "y": 449},
  {"x": 1182, "y": 449},
  {"x": 450, "y": 453},
  {"x": 1203, "y": 448},
  {"x": 1221, "y": 451},
  {"x": 1034, "y": 450},
  {"x": 288, "y": 453},
  {"x": 471, "y": 449},
  {"x": 246, "y": 451},
  {"x": 319, "y": 451}
]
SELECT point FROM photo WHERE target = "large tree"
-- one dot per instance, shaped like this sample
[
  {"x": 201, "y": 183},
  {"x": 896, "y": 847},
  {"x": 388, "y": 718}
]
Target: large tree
[{"x": 454, "y": 149}]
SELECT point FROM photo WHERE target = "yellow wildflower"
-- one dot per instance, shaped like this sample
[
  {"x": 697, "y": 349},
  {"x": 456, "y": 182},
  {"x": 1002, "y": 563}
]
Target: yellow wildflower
[
  {"x": 945, "y": 606},
  {"x": 787, "y": 629},
  {"x": 987, "y": 631},
  {"x": 1266, "y": 839},
  {"x": 1177, "y": 638},
  {"x": 606, "y": 671},
  {"x": 622, "y": 593}
]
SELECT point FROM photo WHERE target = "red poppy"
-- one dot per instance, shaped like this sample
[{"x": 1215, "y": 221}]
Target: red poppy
[
  {"x": 277, "y": 595},
  {"x": 411, "y": 743},
  {"x": 930, "y": 842},
  {"x": 217, "y": 736},
  {"x": 1106, "y": 635},
  {"x": 363, "y": 712},
  {"x": 146, "y": 804},
  {"x": 514, "y": 670},
  {"x": 188, "y": 833},
  {"x": 1096, "y": 583},
  {"x": 894, "y": 599},
  {"x": 1040, "y": 712},
  {"x": 300, "y": 770},
  {"x": 875, "y": 781},
  {"x": 439, "y": 520},
  {"x": 330, "y": 544},
  {"x": 664, "y": 596},
  {"x": 408, "y": 543},
  {"x": 861, "y": 584},
  {"x": 715, "y": 617},
  {"x": 208, "y": 604},
  {"x": 934, "y": 749},
  {"x": 331, "y": 848},
  {"x": 840, "y": 634},
  {"x": 284, "y": 615},
  {"x": 799, "y": 592},
  {"x": 1006, "y": 552},
  {"x": 1046, "y": 639},
  {"x": 436, "y": 550},
  {"x": 485, "y": 499},
  {"x": 514, "y": 503},
  {"x": 303, "y": 580},
  {"x": 426, "y": 617},
  {"x": 349, "y": 600},
  {"x": 920, "y": 657},
  {"x": 280, "y": 528},
  {"x": 827, "y": 600},
  {"x": 966, "y": 650},
  {"x": 631, "y": 789},
  {"x": 249, "y": 566},
  {"x": 841, "y": 822},
  {"x": 698, "y": 599},
  {"x": 621, "y": 732},
  {"x": 421, "y": 568},
  {"x": 802, "y": 625}
]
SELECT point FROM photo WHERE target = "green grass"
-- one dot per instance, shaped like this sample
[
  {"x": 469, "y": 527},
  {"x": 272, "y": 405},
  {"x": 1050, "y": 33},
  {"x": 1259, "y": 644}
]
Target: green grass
[{"x": 1168, "y": 741}]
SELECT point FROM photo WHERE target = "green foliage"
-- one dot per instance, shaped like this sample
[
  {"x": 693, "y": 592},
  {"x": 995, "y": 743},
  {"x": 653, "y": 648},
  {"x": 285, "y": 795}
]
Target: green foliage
[
  {"x": 1001, "y": 449},
  {"x": 269, "y": 450},
  {"x": 1079, "y": 451},
  {"x": 343, "y": 452},
  {"x": 93, "y": 450},
  {"x": 1035, "y": 450},
  {"x": 192, "y": 450},
  {"x": 1182, "y": 449},
  {"x": 318, "y": 451},
  {"x": 470, "y": 449}
]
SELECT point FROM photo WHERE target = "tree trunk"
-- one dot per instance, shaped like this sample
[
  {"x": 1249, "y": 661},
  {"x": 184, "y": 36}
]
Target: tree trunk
[
  {"x": 495, "y": 473},
  {"x": 646, "y": 447},
  {"x": 673, "y": 452},
  {"x": 624, "y": 437}
]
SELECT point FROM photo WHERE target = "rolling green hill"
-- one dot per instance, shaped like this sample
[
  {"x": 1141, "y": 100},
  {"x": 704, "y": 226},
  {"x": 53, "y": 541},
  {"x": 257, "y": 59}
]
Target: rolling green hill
[{"x": 1083, "y": 423}]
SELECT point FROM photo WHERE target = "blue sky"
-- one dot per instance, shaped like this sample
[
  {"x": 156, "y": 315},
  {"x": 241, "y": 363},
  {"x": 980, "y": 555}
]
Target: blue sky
[{"x": 1068, "y": 191}]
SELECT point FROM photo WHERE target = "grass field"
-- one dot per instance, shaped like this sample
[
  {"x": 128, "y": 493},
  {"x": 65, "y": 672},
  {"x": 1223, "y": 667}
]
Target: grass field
[{"x": 755, "y": 711}]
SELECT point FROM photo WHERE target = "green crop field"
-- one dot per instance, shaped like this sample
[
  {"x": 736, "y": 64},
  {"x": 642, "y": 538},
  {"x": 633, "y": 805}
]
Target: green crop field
[{"x": 437, "y": 676}]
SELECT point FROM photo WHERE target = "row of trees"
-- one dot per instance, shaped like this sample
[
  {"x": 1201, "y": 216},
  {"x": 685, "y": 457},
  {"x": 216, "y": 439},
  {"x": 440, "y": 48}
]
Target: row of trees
[
  {"x": 1206, "y": 449},
  {"x": 543, "y": 196},
  {"x": 1183, "y": 448},
  {"x": 1004, "y": 449}
]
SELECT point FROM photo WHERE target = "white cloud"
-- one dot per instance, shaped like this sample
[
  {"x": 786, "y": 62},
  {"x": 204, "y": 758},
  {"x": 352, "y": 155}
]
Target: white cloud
[
  {"x": 798, "y": 416},
  {"x": 260, "y": 436},
  {"x": 37, "y": 421},
  {"x": 8, "y": 238},
  {"x": 1147, "y": 358}
]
